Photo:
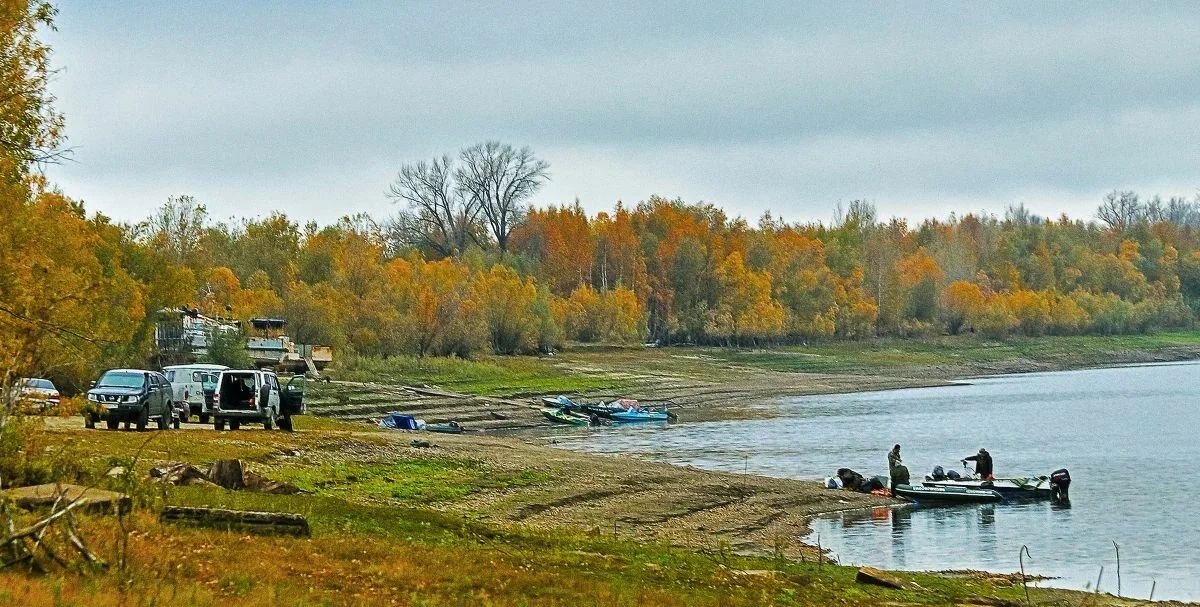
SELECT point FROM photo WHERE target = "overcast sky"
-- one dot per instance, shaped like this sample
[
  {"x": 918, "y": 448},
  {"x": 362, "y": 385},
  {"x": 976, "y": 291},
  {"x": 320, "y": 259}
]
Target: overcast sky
[{"x": 789, "y": 107}]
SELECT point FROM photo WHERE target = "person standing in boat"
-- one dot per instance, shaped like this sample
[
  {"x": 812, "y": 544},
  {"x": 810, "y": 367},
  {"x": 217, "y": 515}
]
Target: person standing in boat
[{"x": 983, "y": 464}]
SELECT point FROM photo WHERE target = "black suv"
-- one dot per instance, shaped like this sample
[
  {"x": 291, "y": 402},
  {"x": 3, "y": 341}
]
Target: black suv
[{"x": 131, "y": 396}]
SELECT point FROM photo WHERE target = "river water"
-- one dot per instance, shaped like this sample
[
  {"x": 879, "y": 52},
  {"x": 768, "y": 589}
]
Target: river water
[{"x": 1130, "y": 437}]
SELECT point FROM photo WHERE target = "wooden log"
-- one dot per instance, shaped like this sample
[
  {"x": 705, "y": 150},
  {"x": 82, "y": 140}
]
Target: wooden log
[
  {"x": 45, "y": 496},
  {"x": 870, "y": 575},
  {"x": 262, "y": 522}
]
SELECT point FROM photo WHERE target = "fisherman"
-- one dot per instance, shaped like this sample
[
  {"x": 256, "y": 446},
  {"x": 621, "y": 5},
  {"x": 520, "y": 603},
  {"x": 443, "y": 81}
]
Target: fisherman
[
  {"x": 983, "y": 464},
  {"x": 896, "y": 468}
]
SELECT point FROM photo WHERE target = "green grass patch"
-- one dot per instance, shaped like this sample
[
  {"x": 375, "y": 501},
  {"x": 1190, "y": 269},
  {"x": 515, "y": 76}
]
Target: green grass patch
[
  {"x": 894, "y": 354},
  {"x": 491, "y": 376}
]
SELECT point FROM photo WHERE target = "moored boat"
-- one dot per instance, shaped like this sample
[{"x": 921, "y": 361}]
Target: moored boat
[
  {"x": 947, "y": 495},
  {"x": 446, "y": 428},
  {"x": 559, "y": 402},
  {"x": 565, "y": 417},
  {"x": 1011, "y": 489},
  {"x": 639, "y": 416}
]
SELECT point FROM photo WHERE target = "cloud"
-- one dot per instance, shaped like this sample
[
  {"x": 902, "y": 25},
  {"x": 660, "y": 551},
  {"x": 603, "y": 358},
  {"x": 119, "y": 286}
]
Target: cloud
[{"x": 782, "y": 106}]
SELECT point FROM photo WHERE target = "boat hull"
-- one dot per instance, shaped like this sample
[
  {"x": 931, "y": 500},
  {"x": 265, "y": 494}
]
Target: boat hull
[
  {"x": 564, "y": 418},
  {"x": 948, "y": 495},
  {"x": 1009, "y": 489}
]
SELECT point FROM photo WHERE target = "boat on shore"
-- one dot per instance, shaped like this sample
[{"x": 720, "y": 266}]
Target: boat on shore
[
  {"x": 562, "y": 416},
  {"x": 947, "y": 495},
  {"x": 642, "y": 415}
]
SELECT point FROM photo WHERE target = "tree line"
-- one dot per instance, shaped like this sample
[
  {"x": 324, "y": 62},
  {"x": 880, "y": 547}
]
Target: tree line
[{"x": 468, "y": 265}]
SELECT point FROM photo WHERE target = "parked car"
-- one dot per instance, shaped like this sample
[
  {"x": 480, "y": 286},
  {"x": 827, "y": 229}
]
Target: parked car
[
  {"x": 36, "y": 392},
  {"x": 254, "y": 396},
  {"x": 133, "y": 396},
  {"x": 194, "y": 386}
]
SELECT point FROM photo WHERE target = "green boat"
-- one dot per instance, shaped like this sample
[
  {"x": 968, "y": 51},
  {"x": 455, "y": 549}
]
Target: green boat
[
  {"x": 563, "y": 417},
  {"x": 947, "y": 495}
]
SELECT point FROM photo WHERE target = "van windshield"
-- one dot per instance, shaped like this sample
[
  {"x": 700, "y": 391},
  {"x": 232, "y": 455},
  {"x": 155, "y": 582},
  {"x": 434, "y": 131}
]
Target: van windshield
[{"x": 121, "y": 379}]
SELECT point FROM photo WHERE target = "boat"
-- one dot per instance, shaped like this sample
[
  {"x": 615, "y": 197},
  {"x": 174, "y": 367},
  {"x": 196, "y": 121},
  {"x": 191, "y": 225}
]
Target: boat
[
  {"x": 1012, "y": 489},
  {"x": 446, "y": 428},
  {"x": 641, "y": 415},
  {"x": 1055, "y": 487},
  {"x": 565, "y": 417},
  {"x": 559, "y": 402},
  {"x": 948, "y": 495}
]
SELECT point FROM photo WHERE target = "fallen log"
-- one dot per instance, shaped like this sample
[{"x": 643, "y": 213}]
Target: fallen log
[
  {"x": 261, "y": 522},
  {"x": 46, "y": 496},
  {"x": 870, "y": 575}
]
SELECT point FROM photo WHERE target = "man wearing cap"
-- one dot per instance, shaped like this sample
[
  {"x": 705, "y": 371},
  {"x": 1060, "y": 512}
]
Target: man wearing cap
[{"x": 983, "y": 464}]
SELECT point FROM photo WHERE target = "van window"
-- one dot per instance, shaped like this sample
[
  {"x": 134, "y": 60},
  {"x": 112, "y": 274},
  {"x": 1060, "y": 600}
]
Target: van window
[{"x": 170, "y": 374}]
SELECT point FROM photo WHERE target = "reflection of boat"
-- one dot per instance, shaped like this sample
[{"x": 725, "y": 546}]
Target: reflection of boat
[
  {"x": 953, "y": 495},
  {"x": 565, "y": 417}
]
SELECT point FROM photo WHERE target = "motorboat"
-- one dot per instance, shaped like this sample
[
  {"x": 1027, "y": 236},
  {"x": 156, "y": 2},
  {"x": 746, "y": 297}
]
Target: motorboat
[
  {"x": 947, "y": 494},
  {"x": 1054, "y": 487}
]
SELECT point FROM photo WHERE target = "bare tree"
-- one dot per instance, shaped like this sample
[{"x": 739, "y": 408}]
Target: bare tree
[
  {"x": 439, "y": 216},
  {"x": 176, "y": 228},
  {"x": 500, "y": 179},
  {"x": 1120, "y": 210}
]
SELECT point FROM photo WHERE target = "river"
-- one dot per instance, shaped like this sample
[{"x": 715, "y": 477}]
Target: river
[{"x": 1130, "y": 437}]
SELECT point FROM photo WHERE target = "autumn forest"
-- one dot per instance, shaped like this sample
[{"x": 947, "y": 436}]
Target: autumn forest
[{"x": 473, "y": 262}]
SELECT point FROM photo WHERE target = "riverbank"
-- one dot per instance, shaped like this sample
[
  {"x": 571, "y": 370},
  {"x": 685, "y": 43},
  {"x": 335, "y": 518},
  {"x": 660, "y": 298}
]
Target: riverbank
[
  {"x": 459, "y": 520},
  {"x": 705, "y": 383}
]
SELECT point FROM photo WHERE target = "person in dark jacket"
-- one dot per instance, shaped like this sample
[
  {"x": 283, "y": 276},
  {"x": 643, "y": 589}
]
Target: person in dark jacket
[
  {"x": 983, "y": 464},
  {"x": 897, "y": 471}
]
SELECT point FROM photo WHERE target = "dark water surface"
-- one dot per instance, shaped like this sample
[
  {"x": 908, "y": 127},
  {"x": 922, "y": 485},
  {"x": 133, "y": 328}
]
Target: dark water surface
[{"x": 1130, "y": 437}]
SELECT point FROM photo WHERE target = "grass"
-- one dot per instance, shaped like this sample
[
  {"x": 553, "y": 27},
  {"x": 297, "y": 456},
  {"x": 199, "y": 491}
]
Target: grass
[
  {"x": 954, "y": 352},
  {"x": 488, "y": 376},
  {"x": 425, "y": 480}
]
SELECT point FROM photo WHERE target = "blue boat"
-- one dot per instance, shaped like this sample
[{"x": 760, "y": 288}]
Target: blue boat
[{"x": 639, "y": 416}]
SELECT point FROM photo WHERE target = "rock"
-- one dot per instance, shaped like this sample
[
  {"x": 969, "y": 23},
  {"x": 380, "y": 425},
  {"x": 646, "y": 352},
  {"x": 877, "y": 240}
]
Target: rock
[
  {"x": 44, "y": 496},
  {"x": 870, "y": 575},
  {"x": 116, "y": 471},
  {"x": 421, "y": 444}
]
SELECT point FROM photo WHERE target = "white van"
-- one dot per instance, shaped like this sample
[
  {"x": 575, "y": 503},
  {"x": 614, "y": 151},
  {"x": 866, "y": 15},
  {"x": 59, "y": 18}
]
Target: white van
[
  {"x": 194, "y": 385},
  {"x": 256, "y": 396}
]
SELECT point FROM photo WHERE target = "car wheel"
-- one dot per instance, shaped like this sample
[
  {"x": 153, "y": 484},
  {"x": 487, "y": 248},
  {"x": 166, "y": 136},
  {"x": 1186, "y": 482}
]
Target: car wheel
[
  {"x": 203, "y": 418},
  {"x": 235, "y": 425},
  {"x": 143, "y": 419},
  {"x": 175, "y": 422},
  {"x": 269, "y": 421},
  {"x": 89, "y": 422},
  {"x": 219, "y": 424},
  {"x": 112, "y": 423},
  {"x": 164, "y": 421},
  {"x": 285, "y": 423}
]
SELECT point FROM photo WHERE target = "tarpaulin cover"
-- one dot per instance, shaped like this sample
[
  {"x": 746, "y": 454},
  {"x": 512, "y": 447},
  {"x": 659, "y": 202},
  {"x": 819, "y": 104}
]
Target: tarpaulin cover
[{"x": 398, "y": 421}]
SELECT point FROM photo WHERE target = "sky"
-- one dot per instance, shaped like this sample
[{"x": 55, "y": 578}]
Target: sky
[{"x": 793, "y": 107}]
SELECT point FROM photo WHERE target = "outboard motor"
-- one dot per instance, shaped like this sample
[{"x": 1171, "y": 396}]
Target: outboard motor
[
  {"x": 1060, "y": 484},
  {"x": 939, "y": 474},
  {"x": 953, "y": 475}
]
